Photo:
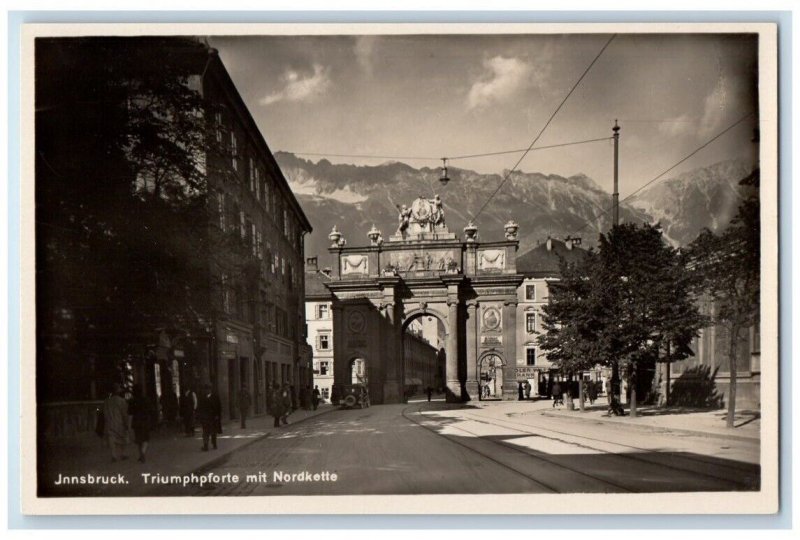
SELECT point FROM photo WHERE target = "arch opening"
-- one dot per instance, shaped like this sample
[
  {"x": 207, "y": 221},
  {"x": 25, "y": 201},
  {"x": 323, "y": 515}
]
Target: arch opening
[
  {"x": 424, "y": 356},
  {"x": 490, "y": 377}
]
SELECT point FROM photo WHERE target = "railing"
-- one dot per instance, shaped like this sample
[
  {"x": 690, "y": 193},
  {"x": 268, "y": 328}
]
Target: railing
[{"x": 67, "y": 419}]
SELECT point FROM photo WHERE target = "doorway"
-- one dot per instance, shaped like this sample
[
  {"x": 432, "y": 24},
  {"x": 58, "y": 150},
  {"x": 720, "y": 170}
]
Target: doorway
[{"x": 490, "y": 369}]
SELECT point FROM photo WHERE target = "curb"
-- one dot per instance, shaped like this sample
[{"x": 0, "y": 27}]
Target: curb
[
  {"x": 662, "y": 429},
  {"x": 222, "y": 457}
]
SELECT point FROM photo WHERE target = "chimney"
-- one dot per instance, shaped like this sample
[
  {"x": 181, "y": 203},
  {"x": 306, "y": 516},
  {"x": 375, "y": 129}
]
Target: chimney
[
  {"x": 549, "y": 244},
  {"x": 311, "y": 264}
]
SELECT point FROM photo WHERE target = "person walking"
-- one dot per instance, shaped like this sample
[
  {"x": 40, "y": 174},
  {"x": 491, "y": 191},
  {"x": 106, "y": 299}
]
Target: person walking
[
  {"x": 527, "y": 389},
  {"x": 557, "y": 400},
  {"x": 429, "y": 391},
  {"x": 143, "y": 417},
  {"x": 315, "y": 397},
  {"x": 520, "y": 391},
  {"x": 286, "y": 401},
  {"x": 209, "y": 413},
  {"x": 115, "y": 422},
  {"x": 276, "y": 404},
  {"x": 244, "y": 406},
  {"x": 188, "y": 406}
]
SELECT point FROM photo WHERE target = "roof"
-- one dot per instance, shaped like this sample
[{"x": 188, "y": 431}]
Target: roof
[
  {"x": 315, "y": 286},
  {"x": 541, "y": 262}
]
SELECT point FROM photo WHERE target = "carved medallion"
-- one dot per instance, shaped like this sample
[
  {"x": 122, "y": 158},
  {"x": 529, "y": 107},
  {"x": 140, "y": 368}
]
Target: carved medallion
[
  {"x": 491, "y": 319},
  {"x": 356, "y": 323}
]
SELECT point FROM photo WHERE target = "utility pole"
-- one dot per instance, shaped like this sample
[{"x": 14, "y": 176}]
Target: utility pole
[
  {"x": 615, "y": 195},
  {"x": 616, "y": 386}
]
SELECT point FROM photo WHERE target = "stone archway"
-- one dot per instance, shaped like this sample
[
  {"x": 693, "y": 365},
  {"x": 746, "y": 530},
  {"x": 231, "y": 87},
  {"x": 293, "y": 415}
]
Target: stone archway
[
  {"x": 490, "y": 376},
  {"x": 424, "y": 269}
]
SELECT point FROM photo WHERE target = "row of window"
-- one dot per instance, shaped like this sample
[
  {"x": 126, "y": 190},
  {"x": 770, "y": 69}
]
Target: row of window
[{"x": 263, "y": 191}]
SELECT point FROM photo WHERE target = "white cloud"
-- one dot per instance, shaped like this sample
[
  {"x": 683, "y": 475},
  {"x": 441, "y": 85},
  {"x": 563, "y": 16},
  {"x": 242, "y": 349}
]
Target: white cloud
[
  {"x": 300, "y": 87},
  {"x": 718, "y": 105},
  {"x": 363, "y": 49},
  {"x": 503, "y": 78}
]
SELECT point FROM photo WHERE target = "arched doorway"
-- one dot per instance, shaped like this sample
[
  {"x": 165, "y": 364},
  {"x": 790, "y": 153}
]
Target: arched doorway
[
  {"x": 490, "y": 373},
  {"x": 358, "y": 371},
  {"x": 424, "y": 356}
]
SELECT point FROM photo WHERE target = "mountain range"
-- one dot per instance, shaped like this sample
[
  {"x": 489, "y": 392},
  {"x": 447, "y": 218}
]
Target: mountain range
[{"x": 355, "y": 197}]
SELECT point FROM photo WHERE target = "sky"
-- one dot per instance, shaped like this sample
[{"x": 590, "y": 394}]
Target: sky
[{"x": 431, "y": 96}]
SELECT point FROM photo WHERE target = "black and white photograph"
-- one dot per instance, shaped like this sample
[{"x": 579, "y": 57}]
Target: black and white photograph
[{"x": 401, "y": 268}]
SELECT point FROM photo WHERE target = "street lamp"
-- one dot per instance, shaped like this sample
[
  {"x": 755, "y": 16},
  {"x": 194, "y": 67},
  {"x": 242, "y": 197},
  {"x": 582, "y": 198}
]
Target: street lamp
[{"x": 443, "y": 179}]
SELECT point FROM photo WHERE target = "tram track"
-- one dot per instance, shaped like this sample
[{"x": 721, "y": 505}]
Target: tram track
[
  {"x": 537, "y": 480},
  {"x": 586, "y": 443},
  {"x": 731, "y": 468}
]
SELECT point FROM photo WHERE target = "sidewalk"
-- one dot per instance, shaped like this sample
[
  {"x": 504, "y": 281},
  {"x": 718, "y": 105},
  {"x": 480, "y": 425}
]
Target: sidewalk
[
  {"x": 709, "y": 423},
  {"x": 169, "y": 452}
]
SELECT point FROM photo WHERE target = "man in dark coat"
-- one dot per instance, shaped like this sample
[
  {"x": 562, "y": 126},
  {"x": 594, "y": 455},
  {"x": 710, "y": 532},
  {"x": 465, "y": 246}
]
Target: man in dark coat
[
  {"x": 315, "y": 397},
  {"x": 276, "y": 404},
  {"x": 209, "y": 413},
  {"x": 188, "y": 406},
  {"x": 287, "y": 401}
]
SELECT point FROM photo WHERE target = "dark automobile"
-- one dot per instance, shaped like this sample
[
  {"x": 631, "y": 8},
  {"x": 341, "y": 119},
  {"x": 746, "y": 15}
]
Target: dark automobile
[{"x": 354, "y": 395}]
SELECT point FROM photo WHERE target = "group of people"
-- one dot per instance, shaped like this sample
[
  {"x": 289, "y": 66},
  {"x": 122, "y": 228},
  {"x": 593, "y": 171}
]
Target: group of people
[
  {"x": 524, "y": 390},
  {"x": 120, "y": 416}
]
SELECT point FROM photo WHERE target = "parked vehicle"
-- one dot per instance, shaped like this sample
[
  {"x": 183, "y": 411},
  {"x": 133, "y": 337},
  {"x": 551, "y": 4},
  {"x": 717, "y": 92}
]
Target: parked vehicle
[{"x": 354, "y": 395}]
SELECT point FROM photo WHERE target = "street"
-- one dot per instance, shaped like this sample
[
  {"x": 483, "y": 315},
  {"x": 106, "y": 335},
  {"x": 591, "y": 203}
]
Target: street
[{"x": 422, "y": 448}]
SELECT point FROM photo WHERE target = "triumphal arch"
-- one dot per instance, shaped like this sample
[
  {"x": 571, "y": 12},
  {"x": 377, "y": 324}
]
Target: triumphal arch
[{"x": 423, "y": 269}]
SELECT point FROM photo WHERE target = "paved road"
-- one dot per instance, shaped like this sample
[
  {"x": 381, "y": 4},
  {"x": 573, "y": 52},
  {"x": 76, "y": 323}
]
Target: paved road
[{"x": 421, "y": 448}]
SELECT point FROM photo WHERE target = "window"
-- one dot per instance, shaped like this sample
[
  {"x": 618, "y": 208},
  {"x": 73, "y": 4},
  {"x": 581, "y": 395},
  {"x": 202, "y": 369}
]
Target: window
[
  {"x": 252, "y": 172},
  {"x": 530, "y": 322},
  {"x": 242, "y": 224},
  {"x": 259, "y": 245},
  {"x": 326, "y": 393},
  {"x": 324, "y": 368},
  {"x": 530, "y": 292},
  {"x": 258, "y": 184},
  {"x": 218, "y": 127},
  {"x": 530, "y": 356},
  {"x": 226, "y": 294},
  {"x": 323, "y": 343},
  {"x": 253, "y": 239},
  {"x": 322, "y": 311},
  {"x": 234, "y": 152},
  {"x": 221, "y": 210}
]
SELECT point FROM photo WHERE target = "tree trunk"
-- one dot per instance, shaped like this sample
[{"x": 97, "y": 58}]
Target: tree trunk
[
  {"x": 615, "y": 384},
  {"x": 669, "y": 376},
  {"x": 581, "y": 395},
  {"x": 734, "y": 335},
  {"x": 632, "y": 383}
]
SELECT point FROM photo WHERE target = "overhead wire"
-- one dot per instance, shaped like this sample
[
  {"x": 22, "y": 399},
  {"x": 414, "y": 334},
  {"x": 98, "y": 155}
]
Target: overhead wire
[
  {"x": 455, "y": 158},
  {"x": 546, "y": 125},
  {"x": 671, "y": 167}
]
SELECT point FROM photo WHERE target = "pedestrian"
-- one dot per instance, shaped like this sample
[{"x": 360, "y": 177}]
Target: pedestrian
[
  {"x": 527, "y": 388},
  {"x": 169, "y": 407},
  {"x": 188, "y": 406},
  {"x": 429, "y": 391},
  {"x": 315, "y": 397},
  {"x": 143, "y": 417},
  {"x": 557, "y": 399},
  {"x": 115, "y": 417},
  {"x": 276, "y": 404},
  {"x": 591, "y": 388},
  {"x": 209, "y": 412},
  {"x": 244, "y": 405},
  {"x": 293, "y": 393},
  {"x": 520, "y": 391},
  {"x": 287, "y": 401}
]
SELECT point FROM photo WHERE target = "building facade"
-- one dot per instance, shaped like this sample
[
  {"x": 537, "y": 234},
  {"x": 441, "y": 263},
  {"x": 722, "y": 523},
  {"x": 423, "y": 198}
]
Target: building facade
[
  {"x": 319, "y": 318},
  {"x": 243, "y": 323}
]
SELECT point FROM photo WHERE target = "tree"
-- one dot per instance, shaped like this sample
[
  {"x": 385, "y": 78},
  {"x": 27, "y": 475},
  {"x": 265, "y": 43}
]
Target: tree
[
  {"x": 124, "y": 149},
  {"x": 728, "y": 270},
  {"x": 570, "y": 319},
  {"x": 621, "y": 306}
]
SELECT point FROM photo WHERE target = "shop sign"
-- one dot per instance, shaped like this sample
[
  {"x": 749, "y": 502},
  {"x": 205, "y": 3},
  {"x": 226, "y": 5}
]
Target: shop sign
[{"x": 526, "y": 372}]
